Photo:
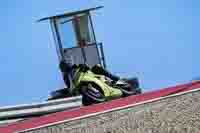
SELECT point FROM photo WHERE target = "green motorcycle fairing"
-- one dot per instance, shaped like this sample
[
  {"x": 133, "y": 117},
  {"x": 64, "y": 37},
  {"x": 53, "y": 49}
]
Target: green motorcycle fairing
[{"x": 100, "y": 80}]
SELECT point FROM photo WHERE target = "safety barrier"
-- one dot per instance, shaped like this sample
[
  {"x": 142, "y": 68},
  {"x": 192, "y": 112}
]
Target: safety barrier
[{"x": 36, "y": 109}]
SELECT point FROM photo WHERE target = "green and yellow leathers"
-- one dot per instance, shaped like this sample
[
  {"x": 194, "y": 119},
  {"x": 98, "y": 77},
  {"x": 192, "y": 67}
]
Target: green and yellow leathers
[{"x": 88, "y": 76}]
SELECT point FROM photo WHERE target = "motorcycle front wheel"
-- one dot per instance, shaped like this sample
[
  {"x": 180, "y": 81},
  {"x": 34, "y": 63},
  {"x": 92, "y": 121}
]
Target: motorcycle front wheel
[{"x": 91, "y": 94}]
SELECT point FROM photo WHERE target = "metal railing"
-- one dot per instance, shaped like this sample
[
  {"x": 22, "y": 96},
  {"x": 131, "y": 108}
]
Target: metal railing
[{"x": 37, "y": 109}]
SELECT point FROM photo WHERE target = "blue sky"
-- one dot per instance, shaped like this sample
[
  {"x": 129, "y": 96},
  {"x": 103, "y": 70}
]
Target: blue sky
[{"x": 157, "y": 41}]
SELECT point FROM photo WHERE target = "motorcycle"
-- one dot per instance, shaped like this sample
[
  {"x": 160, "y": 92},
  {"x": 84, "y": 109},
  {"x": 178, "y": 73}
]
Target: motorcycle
[{"x": 96, "y": 85}]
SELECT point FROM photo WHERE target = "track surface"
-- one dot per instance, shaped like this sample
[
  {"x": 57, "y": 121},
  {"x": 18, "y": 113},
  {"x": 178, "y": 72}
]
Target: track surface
[{"x": 86, "y": 111}]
